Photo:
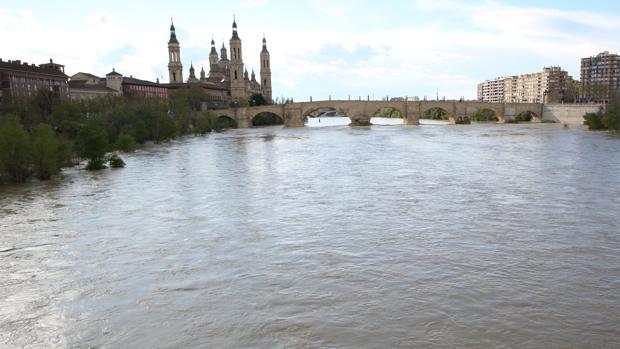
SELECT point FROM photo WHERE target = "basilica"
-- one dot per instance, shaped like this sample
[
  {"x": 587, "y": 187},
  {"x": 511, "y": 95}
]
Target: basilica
[{"x": 228, "y": 79}]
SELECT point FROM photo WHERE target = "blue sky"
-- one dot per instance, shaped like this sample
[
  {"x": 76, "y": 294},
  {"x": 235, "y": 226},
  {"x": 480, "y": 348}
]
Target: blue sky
[{"x": 321, "y": 47}]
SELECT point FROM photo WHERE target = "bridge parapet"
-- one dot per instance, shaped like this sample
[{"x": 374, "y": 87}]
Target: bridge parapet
[{"x": 294, "y": 114}]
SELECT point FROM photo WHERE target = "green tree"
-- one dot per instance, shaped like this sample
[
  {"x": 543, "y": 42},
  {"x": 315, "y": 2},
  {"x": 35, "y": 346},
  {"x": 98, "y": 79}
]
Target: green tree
[
  {"x": 611, "y": 117},
  {"x": 257, "y": 99},
  {"x": 594, "y": 121},
  {"x": 483, "y": 115},
  {"x": 45, "y": 152},
  {"x": 435, "y": 114},
  {"x": 92, "y": 144},
  {"x": 15, "y": 149},
  {"x": 125, "y": 143},
  {"x": 524, "y": 116},
  {"x": 388, "y": 112},
  {"x": 203, "y": 123}
]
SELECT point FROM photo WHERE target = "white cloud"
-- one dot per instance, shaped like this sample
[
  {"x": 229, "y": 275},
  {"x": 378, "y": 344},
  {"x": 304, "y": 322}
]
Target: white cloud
[
  {"x": 496, "y": 40},
  {"x": 254, "y": 3}
]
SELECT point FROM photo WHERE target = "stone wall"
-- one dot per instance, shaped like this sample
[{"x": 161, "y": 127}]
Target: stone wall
[{"x": 568, "y": 113}]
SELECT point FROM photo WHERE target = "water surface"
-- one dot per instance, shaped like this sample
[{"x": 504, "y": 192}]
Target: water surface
[{"x": 327, "y": 237}]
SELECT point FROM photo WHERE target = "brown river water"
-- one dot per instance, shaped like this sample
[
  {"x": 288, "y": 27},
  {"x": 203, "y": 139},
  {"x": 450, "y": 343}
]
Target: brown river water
[{"x": 481, "y": 236}]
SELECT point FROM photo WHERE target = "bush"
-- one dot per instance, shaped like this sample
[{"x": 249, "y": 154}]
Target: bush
[
  {"x": 202, "y": 124},
  {"x": 15, "y": 149},
  {"x": 95, "y": 164},
  {"x": 45, "y": 152},
  {"x": 435, "y": 114},
  {"x": 115, "y": 161},
  {"x": 125, "y": 143},
  {"x": 611, "y": 118},
  {"x": 594, "y": 121},
  {"x": 524, "y": 116},
  {"x": 483, "y": 115}
]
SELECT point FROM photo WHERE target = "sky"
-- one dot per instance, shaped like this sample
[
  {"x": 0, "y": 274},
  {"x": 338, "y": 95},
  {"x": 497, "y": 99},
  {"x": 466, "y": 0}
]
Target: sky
[{"x": 320, "y": 48}]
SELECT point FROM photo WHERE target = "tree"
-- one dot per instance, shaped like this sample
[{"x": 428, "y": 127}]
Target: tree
[
  {"x": 125, "y": 143},
  {"x": 257, "y": 99},
  {"x": 483, "y": 115},
  {"x": 92, "y": 144},
  {"x": 15, "y": 149},
  {"x": 594, "y": 121},
  {"x": 611, "y": 117},
  {"x": 388, "y": 112},
  {"x": 435, "y": 114},
  {"x": 524, "y": 116},
  {"x": 45, "y": 152}
]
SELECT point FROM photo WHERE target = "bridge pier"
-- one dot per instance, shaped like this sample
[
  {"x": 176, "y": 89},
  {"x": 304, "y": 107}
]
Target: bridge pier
[
  {"x": 412, "y": 118},
  {"x": 360, "y": 121},
  {"x": 361, "y": 112},
  {"x": 293, "y": 117}
]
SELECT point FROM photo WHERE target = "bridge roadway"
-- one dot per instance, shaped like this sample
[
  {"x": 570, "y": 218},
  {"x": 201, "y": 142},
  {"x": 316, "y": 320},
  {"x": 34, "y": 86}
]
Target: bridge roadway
[{"x": 360, "y": 112}]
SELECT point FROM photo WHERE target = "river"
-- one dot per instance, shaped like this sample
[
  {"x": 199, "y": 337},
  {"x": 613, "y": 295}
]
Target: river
[{"x": 495, "y": 236}]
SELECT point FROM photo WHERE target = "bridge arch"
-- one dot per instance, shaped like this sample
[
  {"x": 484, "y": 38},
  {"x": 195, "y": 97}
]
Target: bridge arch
[
  {"x": 435, "y": 113},
  {"x": 484, "y": 114},
  {"x": 267, "y": 118},
  {"x": 225, "y": 121},
  {"x": 313, "y": 116}
]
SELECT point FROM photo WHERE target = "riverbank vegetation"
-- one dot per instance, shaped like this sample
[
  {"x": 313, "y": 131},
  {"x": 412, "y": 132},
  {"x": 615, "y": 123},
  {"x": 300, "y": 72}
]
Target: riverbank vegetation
[
  {"x": 609, "y": 119},
  {"x": 388, "y": 112},
  {"x": 39, "y": 135},
  {"x": 435, "y": 114},
  {"x": 482, "y": 115}
]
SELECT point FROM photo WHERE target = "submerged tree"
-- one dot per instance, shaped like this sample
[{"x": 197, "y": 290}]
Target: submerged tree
[
  {"x": 15, "y": 149},
  {"x": 46, "y": 152},
  {"x": 92, "y": 144}
]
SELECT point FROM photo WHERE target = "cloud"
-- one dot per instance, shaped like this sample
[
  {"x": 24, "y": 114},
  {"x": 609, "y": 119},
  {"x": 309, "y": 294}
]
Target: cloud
[
  {"x": 482, "y": 40},
  {"x": 254, "y": 3}
]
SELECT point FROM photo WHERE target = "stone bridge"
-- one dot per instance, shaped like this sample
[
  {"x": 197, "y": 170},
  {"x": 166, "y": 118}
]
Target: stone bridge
[{"x": 360, "y": 112}]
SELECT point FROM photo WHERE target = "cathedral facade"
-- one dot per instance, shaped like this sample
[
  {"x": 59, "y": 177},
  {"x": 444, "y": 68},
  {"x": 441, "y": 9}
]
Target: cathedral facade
[{"x": 228, "y": 79}]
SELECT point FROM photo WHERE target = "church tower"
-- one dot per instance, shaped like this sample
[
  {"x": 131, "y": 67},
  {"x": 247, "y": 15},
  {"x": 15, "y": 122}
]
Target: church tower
[
  {"x": 265, "y": 72},
  {"x": 175, "y": 67},
  {"x": 237, "y": 84},
  {"x": 213, "y": 58}
]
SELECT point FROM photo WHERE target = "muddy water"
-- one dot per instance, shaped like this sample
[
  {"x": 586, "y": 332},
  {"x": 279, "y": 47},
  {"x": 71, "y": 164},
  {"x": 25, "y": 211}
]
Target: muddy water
[{"x": 327, "y": 237}]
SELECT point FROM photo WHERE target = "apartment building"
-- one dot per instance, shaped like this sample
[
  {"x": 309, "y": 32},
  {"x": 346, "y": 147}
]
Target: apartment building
[
  {"x": 552, "y": 85},
  {"x": 600, "y": 76}
]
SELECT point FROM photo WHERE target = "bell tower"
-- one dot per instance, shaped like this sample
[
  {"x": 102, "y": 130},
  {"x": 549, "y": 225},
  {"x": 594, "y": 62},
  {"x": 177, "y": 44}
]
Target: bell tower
[
  {"x": 175, "y": 67},
  {"x": 265, "y": 72},
  {"x": 237, "y": 84}
]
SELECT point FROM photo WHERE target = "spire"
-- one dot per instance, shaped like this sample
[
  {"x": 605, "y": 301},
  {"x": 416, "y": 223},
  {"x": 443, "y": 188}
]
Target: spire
[
  {"x": 264, "y": 45},
  {"x": 235, "y": 36},
  {"x": 192, "y": 71},
  {"x": 173, "y": 35},
  {"x": 202, "y": 73},
  {"x": 223, "y": 53},
  {"x": 213, "y": 51},
  {"x": 253, "y": 75},
  {"x": 245, "y": 74}
]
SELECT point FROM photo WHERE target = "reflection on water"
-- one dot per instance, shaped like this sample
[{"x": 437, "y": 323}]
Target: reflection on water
[
  {"x": 344, "y": 121},
  {"x": 333, "y": 237}
]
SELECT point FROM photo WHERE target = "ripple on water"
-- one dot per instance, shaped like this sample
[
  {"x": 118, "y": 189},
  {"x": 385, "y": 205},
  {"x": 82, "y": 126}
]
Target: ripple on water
[{"x": 383, "y": 237}]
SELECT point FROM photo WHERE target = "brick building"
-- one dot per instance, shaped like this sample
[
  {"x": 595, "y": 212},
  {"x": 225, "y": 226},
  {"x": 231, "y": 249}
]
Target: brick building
[{"x": 20, "y": 79}]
